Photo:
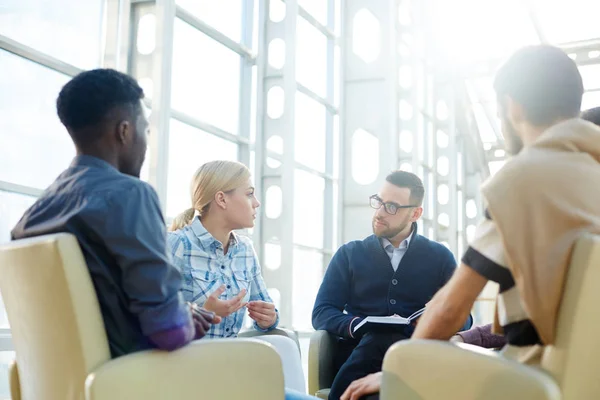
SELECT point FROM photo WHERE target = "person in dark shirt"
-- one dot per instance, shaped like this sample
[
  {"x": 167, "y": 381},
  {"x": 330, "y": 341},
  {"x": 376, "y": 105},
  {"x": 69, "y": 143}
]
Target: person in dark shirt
[
  {"x": 116, "y": 217},
  {"x": 395, "y": 271}
]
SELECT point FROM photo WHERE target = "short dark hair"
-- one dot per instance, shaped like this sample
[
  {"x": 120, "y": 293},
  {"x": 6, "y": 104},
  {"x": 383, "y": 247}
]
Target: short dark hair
[
  {"x": 408, "y": 180},
  {"x": 544, "y": 81},
  {"x": 592, "y": 115},
  {"x": 87, "y": 98}
]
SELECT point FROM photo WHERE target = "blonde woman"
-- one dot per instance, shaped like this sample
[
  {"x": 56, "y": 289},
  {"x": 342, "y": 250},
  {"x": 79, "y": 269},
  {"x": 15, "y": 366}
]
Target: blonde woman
[{"x": 220, "y": 269}]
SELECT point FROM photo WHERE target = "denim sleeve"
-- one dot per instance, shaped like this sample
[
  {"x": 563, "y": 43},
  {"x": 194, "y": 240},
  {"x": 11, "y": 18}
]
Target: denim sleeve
[{"x": 135, "y": 234}]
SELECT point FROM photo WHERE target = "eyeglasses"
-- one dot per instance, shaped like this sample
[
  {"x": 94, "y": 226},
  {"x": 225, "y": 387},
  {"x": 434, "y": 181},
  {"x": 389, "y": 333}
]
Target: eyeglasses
[{"x": 390, "y": 208}]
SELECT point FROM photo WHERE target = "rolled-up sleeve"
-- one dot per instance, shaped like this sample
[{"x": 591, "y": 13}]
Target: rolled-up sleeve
[{"x": 135, "y": 233}]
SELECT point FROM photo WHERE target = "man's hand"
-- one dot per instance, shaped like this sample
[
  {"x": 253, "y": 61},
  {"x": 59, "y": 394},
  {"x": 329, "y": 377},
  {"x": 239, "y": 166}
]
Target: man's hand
[
  {"x": 202, "y": 320},
  {"x": 368, "y": 385},
  {"x": 224, "y": 308},
  {"x": 263, "y": 313}
]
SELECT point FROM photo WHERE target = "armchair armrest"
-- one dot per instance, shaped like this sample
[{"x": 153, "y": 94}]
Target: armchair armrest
[
  {"x": 321, "y": 354},
  {"x": 13, "y": 380},
  {"x": 427, "y": 369},
  {"x": 277, "y": 331},
  {"x": 207, "y": 369}
]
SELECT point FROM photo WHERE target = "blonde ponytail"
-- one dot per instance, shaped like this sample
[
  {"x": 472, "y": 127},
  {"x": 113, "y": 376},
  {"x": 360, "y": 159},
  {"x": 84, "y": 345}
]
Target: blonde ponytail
[
  {"x": 183, "y": 219},
  {"x": 211, "y": 178}
]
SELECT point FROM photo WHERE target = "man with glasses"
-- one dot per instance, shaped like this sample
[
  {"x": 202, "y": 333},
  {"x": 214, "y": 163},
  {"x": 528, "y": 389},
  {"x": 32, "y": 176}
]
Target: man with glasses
[{"x": 395, "y": 271}]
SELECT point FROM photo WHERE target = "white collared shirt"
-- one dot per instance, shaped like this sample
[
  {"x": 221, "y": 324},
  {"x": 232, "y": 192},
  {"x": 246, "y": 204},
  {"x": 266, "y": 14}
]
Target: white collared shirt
[{"x": 396, "y": 253}]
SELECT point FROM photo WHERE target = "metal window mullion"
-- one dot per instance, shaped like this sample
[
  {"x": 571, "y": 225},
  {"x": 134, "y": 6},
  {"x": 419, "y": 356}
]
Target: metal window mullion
[
  {"x": 38, "y": 57},
  {"x": 209, "y": 128},
  {"x": 288, "y": 158},
  {"x": 161, "y": 112},
  {"x": 328, "y": 220},
  {"x": 20, "y": 189},
  {"x": 211, "y": 32},
  {"x": 328, "y": 103},
  {"x": 261, "y": 102},
  {"x": 245, "y": 83},
  {"x": 117, "y": 35},
  {"x": 325, "y": 30}
]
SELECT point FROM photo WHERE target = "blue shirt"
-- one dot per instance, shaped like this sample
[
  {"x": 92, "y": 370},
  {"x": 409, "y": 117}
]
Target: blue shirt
[
  {"x": 120, "y": 228},
  {"x": 204, "y": 266},
  {"x": 396, "y": 253}
]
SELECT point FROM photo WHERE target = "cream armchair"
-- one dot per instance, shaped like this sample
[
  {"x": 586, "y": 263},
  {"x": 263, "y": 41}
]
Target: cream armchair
[
  {"x": 569, "y": 369},
  {"x": 62, "y": 349}
]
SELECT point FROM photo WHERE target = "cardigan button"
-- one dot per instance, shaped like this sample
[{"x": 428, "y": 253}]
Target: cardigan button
[
  {"x": 394, "y": 281},
  {"x": 392, "y": 301}
]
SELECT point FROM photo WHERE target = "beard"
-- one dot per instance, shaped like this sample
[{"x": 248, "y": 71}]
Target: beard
[
  {"x": 513, "y": 143},
  {"x": 389, "y": 232}
]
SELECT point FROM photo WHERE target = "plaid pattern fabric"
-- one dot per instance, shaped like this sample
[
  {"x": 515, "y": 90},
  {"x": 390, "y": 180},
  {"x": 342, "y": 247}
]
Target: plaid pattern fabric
[{"x": 204, "y": 267}]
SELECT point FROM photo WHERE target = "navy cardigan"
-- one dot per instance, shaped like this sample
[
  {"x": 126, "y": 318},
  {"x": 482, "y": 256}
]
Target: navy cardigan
[{"x": 360, "y": 282}]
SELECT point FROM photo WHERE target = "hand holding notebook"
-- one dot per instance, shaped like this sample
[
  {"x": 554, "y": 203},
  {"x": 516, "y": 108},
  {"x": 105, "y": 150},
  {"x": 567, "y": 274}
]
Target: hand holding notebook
[{"x": 391, "y": 320}]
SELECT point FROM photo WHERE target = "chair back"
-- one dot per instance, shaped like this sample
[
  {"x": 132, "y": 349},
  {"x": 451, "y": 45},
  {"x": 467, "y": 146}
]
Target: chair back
[
  {"x": 54, "y": 315},
  {"x": 574, "y": 358}
]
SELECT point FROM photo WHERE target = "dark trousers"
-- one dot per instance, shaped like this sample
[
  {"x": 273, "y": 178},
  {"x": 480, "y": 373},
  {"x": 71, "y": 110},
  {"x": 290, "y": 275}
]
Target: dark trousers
[{"x": 359, "y": 358}]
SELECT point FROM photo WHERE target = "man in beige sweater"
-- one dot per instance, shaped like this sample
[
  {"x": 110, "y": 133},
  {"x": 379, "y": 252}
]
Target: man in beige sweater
[
  {"x": 537, "y": 206},
  {"x": 483, "y": 335}
]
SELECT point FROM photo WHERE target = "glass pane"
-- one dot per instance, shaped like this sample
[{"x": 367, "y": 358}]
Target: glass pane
[
  {"x": 336, "y": 146},
  {"x": 311, "y": 57},
  {"x": 206, "y": 78},
  {"x": 336, "y": 199},
  {"x": 591, "y": 76},
  {"x": 365, "y": 157},
  {"x": 145, "y": 172},
  {"x": 316, "y": 8},
  {"x": 456, "y": 23},
  {"x": 366, "y": 36},
  {"x": 189, "y": 148},
  {"x": 12, "y": 207},
  {"x": 571, "y": 21},
  {"x": 495, "y": 166},
  {"x": 483, "y": 312},
  {"x": 459, "y": 168},
  {"x": 310, "y": 132},
  {"x": 484, "y": 125},
  {"x": 253, "y": 97},
  {"x": 223, "y": 15},
  {"x": 484, "y": 88},
  {"x": 69, "y": 30},
  {"x": 307, "y": 277},
  {"x": 308, "y": 209},
  {"x": 428, "y": 182},
  {"x": 459, "y": 210},
  {"x": 590, "y": 100},
  {"x": 35, "y": 146}
]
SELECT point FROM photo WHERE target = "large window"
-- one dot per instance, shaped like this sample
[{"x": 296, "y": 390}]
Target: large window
[
  {"x": 35, "y": 146},
  {"x": 189, "y": 148},
  {"x": 206, "y": 78}
]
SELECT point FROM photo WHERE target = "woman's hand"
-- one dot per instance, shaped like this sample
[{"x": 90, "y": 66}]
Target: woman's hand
[
  {"x": 263, "y": 313},
  {"x": 224, "y": 308}
]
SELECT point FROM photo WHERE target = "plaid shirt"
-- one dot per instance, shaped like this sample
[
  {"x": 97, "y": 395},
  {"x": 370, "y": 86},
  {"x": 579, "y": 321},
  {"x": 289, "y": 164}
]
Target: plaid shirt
[{"x": 204, "y": 267}]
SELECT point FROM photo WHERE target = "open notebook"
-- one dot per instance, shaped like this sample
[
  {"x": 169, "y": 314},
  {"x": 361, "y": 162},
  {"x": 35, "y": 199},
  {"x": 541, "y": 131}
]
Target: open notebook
[{"x": 391, "y": 320}]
